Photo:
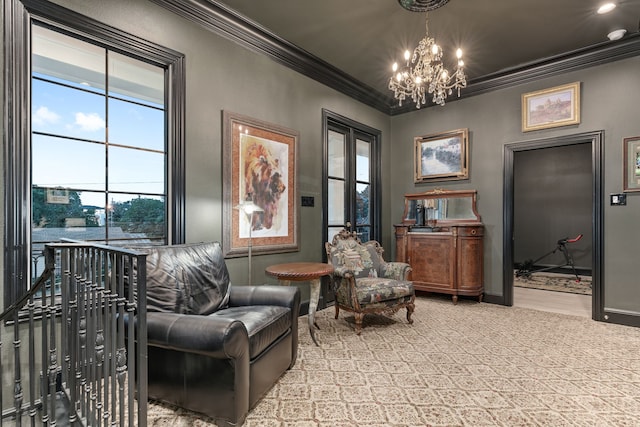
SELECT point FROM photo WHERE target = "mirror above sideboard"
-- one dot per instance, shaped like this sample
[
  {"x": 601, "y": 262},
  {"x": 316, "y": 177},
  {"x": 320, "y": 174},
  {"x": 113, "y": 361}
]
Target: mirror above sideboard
[{"x": 440, "y": 207}]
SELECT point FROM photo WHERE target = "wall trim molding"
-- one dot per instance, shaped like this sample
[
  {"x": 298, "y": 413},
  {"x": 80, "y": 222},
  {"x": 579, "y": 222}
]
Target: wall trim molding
[
  {"x": 596, "y": 139},
  {"x": 224, "y": 21}
]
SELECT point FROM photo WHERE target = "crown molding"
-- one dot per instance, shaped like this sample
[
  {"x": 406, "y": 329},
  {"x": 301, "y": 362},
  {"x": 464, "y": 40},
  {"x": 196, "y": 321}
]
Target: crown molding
[
  {"x": 224, "y": 21},
  {"x": 590, "y": 56}
]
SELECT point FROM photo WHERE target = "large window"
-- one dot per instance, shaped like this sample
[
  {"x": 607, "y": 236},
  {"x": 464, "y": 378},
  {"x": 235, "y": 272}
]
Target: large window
[
  {"x": 351, "y": 168},
  {"x": 102, "y": 158},
  {"x": 98, "y": 157}
]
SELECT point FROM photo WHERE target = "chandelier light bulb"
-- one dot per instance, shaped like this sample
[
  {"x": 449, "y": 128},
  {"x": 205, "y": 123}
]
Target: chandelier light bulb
[
  {"x": 460, "y": 63},
  {"x": 418, "y": 80},
  {"x": 434, "y": 49},
  {"x": 459, "y": 53},
  {"x": 399, "y": 77},
  {"x": 407, "y": 55},
  {"x": 395, "y": 67}
]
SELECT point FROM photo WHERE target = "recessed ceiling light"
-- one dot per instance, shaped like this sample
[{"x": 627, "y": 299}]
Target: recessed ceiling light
[
  {"x": 606, "y": 8},
  {"x": 617, "y": 34}
]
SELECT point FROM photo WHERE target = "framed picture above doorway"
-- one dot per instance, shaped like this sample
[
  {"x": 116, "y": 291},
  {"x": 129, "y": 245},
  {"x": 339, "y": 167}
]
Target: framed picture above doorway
[{"x": 553, "y": 107}]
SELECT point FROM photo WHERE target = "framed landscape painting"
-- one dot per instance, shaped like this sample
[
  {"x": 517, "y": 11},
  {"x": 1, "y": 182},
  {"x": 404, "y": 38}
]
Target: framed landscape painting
[
  {"x": 442, "y": 156},
  {"x": 631, "y": 164},
  {"x": 549, "y": 108},
  {"x": 259, "y": 165}
]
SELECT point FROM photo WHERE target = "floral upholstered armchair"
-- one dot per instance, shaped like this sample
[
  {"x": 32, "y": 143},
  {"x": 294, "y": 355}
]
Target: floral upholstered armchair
[{"x": 363, "y": 282}]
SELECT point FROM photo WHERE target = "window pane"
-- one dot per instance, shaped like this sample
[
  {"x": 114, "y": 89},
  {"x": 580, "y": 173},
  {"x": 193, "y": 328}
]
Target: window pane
[
  {"x": 336, "y": 202},
  {"x": 362, "y": 160},
  {"x": 136, "y": 125},
  {"x": 67, "y": 59},
  {"x": 336, "y": 154},
  {"x": 67, "y": 111},
  {"x": 58, "y": 162},
  {"x": 58, "y": 208},
  {"x": 364, "y": 233},
  {"x": 136, "y": 80},
  {"x": 363, "y": 204},
  {"x": 139, "y": 218},
  {"x": 136, "y": 171}
]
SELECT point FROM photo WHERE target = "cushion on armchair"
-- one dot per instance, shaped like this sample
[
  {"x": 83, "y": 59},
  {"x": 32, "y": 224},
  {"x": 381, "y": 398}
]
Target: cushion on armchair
[
  {"x": 362, "y": 260},
  {"x": 175, "y": 286}
]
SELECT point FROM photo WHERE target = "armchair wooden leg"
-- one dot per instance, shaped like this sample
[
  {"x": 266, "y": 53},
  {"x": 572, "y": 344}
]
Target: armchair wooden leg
[
  {"x": 359, "y": 317},
  {"x": 335, "y": 304},
  {"x": 410, "y": 309}
]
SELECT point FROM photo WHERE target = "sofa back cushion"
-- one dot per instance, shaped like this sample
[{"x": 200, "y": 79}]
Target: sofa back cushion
[{"x": 189, "y": 279}]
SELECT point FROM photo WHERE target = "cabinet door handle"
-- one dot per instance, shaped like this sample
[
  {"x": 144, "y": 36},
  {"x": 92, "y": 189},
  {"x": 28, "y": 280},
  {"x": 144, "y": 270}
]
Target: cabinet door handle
[{"x": 473, "y": 232}]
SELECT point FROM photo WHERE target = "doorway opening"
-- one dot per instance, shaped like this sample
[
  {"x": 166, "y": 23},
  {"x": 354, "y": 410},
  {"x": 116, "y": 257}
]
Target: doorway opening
[{"x": 536, "y": 207}]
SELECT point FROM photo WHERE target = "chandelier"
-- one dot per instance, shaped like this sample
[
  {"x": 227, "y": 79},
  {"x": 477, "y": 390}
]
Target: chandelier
[{"x": 424, "y": 72}]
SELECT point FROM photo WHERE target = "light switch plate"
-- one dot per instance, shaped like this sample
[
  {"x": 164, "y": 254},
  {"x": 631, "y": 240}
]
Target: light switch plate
[{"x": 618, "y": 199}]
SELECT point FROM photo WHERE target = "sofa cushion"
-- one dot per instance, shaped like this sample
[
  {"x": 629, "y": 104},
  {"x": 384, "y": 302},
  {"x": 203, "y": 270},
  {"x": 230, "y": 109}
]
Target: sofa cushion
[
  {"x": 362, "y": 260},
  {"x": 264, "y": 323},
  {"x": 189, "y": 279}
]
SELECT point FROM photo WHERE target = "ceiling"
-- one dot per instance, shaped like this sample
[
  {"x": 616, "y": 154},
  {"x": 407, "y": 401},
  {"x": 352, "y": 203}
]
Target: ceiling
[{"x": 363, "y": 38}]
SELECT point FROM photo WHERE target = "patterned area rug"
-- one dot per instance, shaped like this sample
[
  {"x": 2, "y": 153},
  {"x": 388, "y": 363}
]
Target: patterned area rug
[
  {"x": 555, "y": 282},
  {"x": 470, "y": 364}
]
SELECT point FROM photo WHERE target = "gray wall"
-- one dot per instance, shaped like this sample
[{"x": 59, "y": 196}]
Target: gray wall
[
  {"x": 552, "y": 200},
  {"x": 223, "y": 76},
  {"x": 609, "y": 95}
]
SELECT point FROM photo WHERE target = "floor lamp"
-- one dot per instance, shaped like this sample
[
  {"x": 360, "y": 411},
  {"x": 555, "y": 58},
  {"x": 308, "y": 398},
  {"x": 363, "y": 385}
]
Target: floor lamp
[{"x": 249, "y": 208}]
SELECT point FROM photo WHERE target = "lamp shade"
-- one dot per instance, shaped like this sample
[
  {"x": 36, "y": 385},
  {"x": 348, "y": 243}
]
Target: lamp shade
[{"x": 248, "y": 207}]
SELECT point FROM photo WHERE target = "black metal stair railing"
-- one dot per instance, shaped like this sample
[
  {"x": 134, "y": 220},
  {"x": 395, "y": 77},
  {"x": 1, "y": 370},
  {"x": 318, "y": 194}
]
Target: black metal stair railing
[{"x": 67, "y": 355}]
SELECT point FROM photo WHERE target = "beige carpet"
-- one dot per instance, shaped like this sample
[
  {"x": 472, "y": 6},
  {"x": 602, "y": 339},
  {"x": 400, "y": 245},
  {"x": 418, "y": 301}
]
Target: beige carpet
[
  {"x": 470, "y": 364},
  {"x": 555, "y": 282}
]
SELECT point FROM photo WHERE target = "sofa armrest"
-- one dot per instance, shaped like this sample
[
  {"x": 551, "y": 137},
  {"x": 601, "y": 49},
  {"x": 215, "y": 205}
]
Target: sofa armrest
[
  {"x": 216, "y": 337},
  {"x": 284, "y": 296},
  {"x": 396, "y": 270}
]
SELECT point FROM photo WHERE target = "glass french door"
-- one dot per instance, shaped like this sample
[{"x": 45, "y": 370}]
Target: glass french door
[{"x": 352, "y": 170}]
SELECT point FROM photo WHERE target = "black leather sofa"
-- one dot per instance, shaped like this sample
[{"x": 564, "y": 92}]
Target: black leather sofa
[{"x": 214, "y": 348}]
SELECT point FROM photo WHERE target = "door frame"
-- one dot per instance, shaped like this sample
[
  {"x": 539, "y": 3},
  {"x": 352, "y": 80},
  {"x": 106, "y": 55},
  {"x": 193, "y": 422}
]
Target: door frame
[{"x": 596, "y": 139}]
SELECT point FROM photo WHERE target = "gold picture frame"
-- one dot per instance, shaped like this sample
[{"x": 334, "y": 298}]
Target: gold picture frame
[
  {"x": 631, "y": 165},
  {"x": 260, "y": 164},
  {"x": 550, "y": 108},
  {"x": 442, "y": 156}
]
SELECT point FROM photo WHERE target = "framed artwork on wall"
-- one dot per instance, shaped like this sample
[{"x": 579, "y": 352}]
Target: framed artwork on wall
[
  {"x": 631, "y": 165},
  {"x": 259, "y": 165},
  {"x": 442, "y": 156},
  {"x": 553, "y": 107}
]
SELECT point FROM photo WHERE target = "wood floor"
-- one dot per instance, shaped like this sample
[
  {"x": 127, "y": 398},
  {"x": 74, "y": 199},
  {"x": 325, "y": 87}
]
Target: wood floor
[{"x": 557, "y": 302}]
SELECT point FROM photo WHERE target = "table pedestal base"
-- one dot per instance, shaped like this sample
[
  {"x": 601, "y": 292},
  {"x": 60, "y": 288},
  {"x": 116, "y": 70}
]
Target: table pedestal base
[{"x": 314, "y": 297}]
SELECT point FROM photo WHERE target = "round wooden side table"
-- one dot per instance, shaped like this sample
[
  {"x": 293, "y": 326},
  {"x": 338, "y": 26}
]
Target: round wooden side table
[{"x": 303, "y": 272}]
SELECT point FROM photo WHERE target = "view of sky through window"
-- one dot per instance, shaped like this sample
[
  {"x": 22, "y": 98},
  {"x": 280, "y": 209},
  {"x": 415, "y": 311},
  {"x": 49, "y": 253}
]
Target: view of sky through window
[{"x": 98, "y": 156}]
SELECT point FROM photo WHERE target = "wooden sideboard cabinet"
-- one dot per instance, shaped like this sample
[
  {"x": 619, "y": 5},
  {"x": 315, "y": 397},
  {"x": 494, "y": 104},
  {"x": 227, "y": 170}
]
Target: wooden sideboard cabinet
[{"x": 445, "y": 247}]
